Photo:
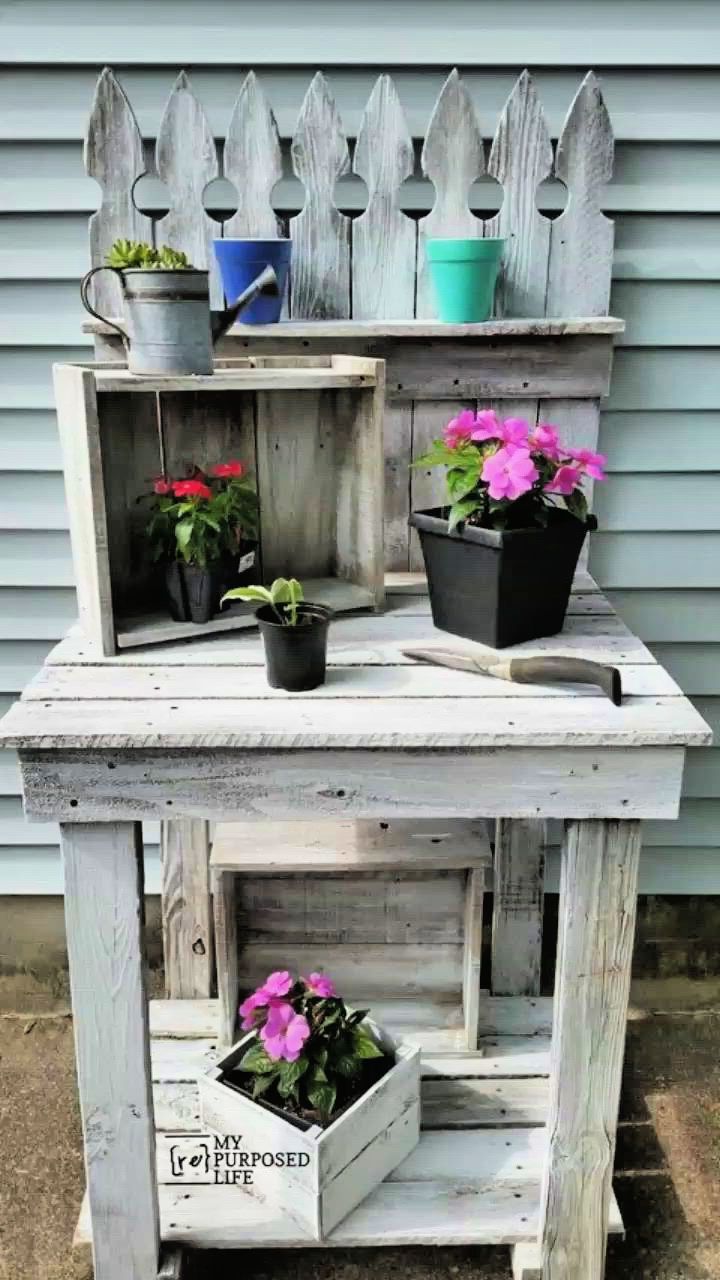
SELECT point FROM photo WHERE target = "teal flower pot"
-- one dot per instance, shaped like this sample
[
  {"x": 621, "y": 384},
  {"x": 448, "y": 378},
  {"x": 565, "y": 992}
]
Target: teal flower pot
[{"x": 464, "y": 275}]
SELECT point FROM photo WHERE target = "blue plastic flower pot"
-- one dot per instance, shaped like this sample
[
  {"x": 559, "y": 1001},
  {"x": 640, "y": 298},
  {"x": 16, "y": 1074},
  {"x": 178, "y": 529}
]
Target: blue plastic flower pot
[{"x": 241, "y": 261}]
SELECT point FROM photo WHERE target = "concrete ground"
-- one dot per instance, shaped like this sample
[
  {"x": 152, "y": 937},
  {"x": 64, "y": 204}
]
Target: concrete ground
[{"x": 667, "y": 1181}]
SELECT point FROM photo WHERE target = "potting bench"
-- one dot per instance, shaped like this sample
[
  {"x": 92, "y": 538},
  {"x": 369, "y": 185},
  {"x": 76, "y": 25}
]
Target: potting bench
[{"x": 193, "y": 729}]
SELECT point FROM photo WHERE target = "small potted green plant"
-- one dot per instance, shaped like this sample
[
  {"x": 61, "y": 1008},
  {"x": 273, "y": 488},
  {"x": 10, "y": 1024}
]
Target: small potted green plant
[
  {"x": 330, "y": 1098},
  {"x": 202, "y": 532},
  {"x": 501, "y": 556},
  {"x": 294, "y": 633}
]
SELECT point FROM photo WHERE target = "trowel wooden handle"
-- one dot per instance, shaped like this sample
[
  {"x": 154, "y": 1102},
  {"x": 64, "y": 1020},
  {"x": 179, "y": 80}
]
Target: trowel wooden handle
[{"x": 570, "y": 670}]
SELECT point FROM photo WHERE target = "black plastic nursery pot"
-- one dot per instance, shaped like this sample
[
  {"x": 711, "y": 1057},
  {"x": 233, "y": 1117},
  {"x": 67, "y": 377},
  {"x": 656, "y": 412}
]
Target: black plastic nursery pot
[
  {"x": 193, "y": 594},
  {"x": 295, "y": 657},
  {"x": 500, "y": 588}
]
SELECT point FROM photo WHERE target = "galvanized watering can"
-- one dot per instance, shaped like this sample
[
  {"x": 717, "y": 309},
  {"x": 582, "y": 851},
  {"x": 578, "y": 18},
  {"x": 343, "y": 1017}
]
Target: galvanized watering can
[{"x": 170, "y": 327}]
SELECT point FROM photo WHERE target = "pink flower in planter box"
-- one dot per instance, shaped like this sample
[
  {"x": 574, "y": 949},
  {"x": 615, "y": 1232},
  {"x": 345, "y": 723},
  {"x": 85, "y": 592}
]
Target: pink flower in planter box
[
  {"x": 278, "y": 983},
  {"x": 272, "y": 991},
  {"x": 515, "y": 431},
  {"x": 487, "y": 426},
  {"x": 284, "y": 1033},
  {"x": 320, "y": 985},
  {"x": 591, "y": 463},
  {"x": 459, "y": 429},
  {"x": 546, "y": 439},
  {"x": 565, "y": 480},
  {"x": 509, "y": 473}
]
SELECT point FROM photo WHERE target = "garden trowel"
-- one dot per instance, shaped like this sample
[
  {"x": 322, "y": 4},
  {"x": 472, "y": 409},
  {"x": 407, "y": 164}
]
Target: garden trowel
[{"x": 527, "y": 670}]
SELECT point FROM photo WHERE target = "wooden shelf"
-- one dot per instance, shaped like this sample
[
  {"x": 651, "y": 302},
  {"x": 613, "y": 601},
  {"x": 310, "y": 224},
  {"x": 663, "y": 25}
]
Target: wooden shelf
[
  {"x": 474, "y": 1179},
  {"x": 244, "y": 378},
  {"x": 302, "y": 329},
  {"x": 156, "y": 628}
]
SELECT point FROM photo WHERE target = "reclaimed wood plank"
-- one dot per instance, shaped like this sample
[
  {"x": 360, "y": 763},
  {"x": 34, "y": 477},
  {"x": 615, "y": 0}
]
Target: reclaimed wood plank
[
  {"x": 373, "y": 971},
  {"x": 320, "y": 272},
  {"x": 383, "y": 237},
  {"x": 472, "y": 953},
  {"x": 597, "y": 921},
  {"x": 520, "y": 159},
  {"x": 186, "y": 909},
  {"x": 242, "y": 378},
  {"x": 519, "y": 866},
  {"x": 453, "y": 157},
  {"x": 335, "y": 330},
  {"x": 104, "y": 914},
  {"x": 310, "y": 846},
  {"x": 100, "y": 785},
  {"x": 252, "y": 161},
  {"x": 226, "y": 952},
  {"x": 186, "y": 159},
  {"x": 114, "y": 158}
]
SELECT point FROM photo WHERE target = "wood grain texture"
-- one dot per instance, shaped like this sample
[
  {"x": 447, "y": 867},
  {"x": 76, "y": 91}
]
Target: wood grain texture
[
  {"x": 186, "y": 158},
  {"x": 383, "y": 237},
  {"x": 105, "y": 933},
  {"x": 221, "y": 784},
  {"x": 581, "y": 242},
  {"x": 453, "y": 156},
  {"x": 114, "y": 158},
  {"x": 397, "y": 455},
  {"x": 320, "y": 273},
  {"x": 186, "y": 909},
  {"x": 520, "y": 159},
  {"x": 472, "y": 953},
  {"x": 526, "y": 1262},
  {"x": 252, "y": 161},
  {"x": 226, "y": 954},
  {"x": 517, "y": 907},
  {"x": 333, "y": 331},
  {"x": 597, "y": 922}
]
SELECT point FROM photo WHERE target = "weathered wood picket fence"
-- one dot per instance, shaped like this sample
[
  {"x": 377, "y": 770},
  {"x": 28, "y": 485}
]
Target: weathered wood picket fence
[{"x": 361, "y": 286}]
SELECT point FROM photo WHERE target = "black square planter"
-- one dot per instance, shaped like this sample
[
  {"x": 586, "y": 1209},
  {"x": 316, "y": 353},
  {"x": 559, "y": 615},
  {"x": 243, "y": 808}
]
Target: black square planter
[{"x": 500, "y": 588}]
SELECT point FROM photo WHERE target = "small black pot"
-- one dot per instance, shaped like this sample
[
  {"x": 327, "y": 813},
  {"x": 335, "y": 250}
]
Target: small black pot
[
  {"x": 193, "y": 594},
  {"x": 295, "y": 656},
  {"x": 500, "y": 588}
]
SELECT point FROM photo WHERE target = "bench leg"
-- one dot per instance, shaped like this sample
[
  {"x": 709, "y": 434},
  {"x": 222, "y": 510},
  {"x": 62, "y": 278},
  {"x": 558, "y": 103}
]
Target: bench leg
[
  {"x": 226, "y": 951},
  {"x": 186, "y": 911},
  {"x": 526, "y": 1262},
  {"x": 105, "y": 923},
  {"x": 474, "y": 893},
  {"x": 598, "y": 889},
  {"x": 518, "y": 876}
]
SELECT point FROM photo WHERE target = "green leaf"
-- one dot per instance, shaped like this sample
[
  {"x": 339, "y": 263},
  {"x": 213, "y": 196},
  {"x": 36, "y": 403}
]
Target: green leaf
[
  {"x": 183, "y": 533},
  {"x": 460, "y": 511},
  {"x": 576, "y": 503},
  {"x": 322, "y": 1097},
  {"x": 347, "y": 1065},
  {"x": 357, "y": 1016},
  {"x": 262, "y": 1083},
  {"x": 249, "y": 593},
  {"x": 255, "y": 1059},
  {"x": 291, "y": 1072},
  {"x": 462, "y": 480},
  {"x": 364, "y": 1045}
]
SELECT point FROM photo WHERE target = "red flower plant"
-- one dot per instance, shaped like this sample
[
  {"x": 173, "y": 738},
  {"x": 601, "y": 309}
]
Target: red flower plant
[
  {"x": 162, "y": 486},
  {"x": 191, "y": 489},
  {"x": 226, "y": 470}
]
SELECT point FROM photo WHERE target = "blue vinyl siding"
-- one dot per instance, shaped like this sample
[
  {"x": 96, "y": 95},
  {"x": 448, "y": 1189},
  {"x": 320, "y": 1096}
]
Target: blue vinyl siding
[{"x": 658, "y": 547}]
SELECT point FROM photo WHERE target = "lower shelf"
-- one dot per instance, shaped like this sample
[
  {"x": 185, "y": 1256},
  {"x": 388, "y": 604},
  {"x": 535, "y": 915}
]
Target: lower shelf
[
  {"x": 157, "y": 628},
  {"x": 475, "y": 1177}
]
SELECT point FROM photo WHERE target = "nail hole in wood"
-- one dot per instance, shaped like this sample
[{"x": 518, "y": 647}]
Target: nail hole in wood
[
  {"x": 168, "y": 802},
  {"x": 384, "y": 826},
  {"x": 73, "y": 804},
  {"x": 111, "y": 764}
]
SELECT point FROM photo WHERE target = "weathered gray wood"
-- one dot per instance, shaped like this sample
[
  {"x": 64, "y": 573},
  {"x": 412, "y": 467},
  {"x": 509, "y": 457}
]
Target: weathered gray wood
[
  {"x": 129, "y": 457},
  {"x": 226, "y": 952},
  {"x": 526, "y": 1261},
  {"x": 320, "y": 279},
  {"x": 114, "y": 158},
  {"x": 104, "y": 914},
  {"x": 472, "y": 953},
  {"x": 252, "y": 162},
  {"x": 383, "y": 237},
  {"x": 581, "y": 242},
  {"x": 452, "y": 158},
  {"x": 186, "y": 909},
  {"x": 358, "y": 437},
  {"x": 520, "y": 159},
  {"x": 349, "y": 846},
  {"x": 186, "y": 158},
  {"x": 333, "y": 331},
  {"x": 517, "y": 907},
  {"x": 597, "y": 921},
  {"x": 397, "y": 445},
  {"x": 76, "y": 404},
  {"x": 171, "y": 1264},
  {"x": 224, "y": 784}
]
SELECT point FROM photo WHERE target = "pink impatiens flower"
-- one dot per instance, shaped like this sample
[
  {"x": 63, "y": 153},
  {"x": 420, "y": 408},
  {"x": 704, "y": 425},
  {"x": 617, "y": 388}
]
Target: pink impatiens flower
[
  {"x": 278, "y": 983},
  {"x": 546, "y": 439},
  {"x": 459, "y": 429},
  {"x": 320, "y": 985},
  {"x": 509, "y": 473},
  {"x": 284, "y": 1033},
  {"x": 275, "y": 986},
  {"x": 565, "y": 480},
  {"x": 487, "y": 426},
  {"x": 591, "y": 463},
  {"x": 515, "y": 431}
]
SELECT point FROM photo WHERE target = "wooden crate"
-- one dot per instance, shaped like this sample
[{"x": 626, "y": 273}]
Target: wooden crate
[
  {"x": 310, "y": 428},
  {"x": 340, "y": 1165}
]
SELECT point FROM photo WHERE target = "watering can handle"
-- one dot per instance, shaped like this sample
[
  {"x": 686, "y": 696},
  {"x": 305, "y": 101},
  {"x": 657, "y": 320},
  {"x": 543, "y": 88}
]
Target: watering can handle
[{"x": 85, "y": 285}]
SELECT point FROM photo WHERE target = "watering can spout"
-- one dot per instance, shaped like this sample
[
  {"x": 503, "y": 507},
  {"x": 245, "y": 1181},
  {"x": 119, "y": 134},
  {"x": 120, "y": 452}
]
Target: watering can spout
[{"x": 264, "y": 285}]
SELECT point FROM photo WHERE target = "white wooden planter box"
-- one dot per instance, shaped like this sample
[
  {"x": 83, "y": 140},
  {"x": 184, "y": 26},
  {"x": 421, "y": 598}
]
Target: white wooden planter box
[{"x": 342, "y": 1164}]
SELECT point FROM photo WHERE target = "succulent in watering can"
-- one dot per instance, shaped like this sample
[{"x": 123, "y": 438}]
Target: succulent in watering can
[{"x": 169, "y": 327}]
